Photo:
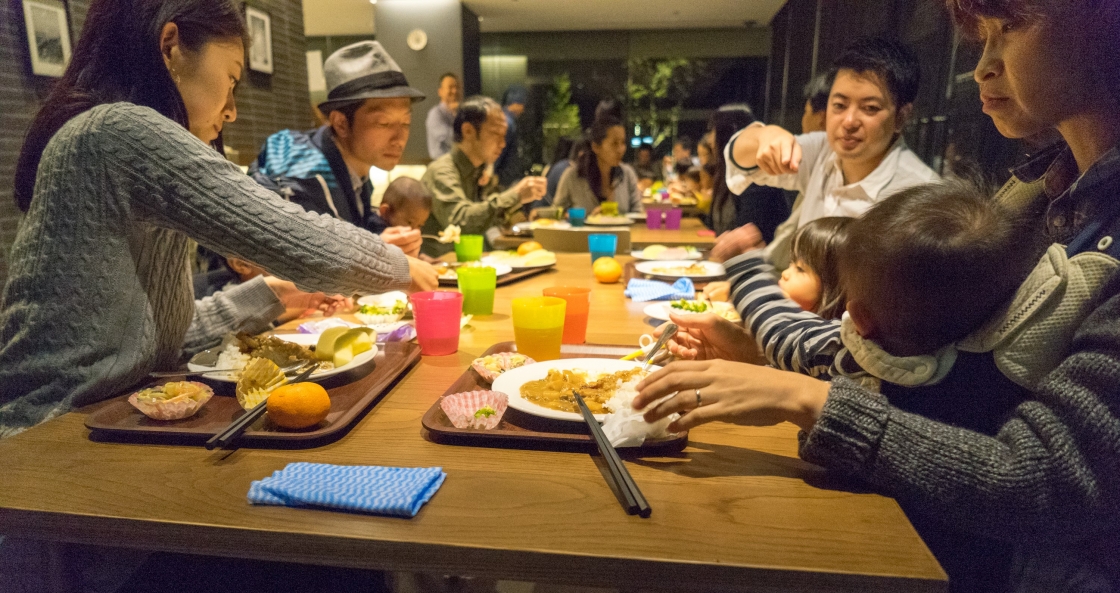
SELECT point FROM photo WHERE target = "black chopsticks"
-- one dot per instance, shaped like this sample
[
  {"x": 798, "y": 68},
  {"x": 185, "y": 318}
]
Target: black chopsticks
[
  {"x": 234, "y": 430},
  {"x": 634, "y": 501}
]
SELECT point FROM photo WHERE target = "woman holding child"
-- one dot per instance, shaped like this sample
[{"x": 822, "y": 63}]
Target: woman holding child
[{"x": 1047, "y": 478}]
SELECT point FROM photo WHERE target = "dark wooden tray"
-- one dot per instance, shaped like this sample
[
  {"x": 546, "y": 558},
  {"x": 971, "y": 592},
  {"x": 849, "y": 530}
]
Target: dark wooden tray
[
  {"x": 519, "y": 430},
  {"x": 510, "y": 278},
  {"x": 352, "y": 393}
]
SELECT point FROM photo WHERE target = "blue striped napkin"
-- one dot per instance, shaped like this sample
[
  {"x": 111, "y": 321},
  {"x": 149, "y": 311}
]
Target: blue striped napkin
[
  {"x": 397, "y": 491},
  {"x": 652, "y": 290}
]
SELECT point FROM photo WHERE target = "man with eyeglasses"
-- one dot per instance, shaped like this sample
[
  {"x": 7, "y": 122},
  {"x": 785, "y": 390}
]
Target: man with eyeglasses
[
  {"x": 466, "y": 191},
  {"x": 368, "y": 111}
]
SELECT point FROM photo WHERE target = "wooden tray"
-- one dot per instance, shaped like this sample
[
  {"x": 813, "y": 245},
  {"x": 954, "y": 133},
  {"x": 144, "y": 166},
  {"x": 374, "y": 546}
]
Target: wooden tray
[
  {"x": 352, "y": 393},
  {"x": 510, "y": 278},
  {"x": 519, "y": 430}
]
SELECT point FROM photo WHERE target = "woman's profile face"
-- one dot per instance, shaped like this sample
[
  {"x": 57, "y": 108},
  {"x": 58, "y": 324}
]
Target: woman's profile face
[
  {"x": 1032, "y": 75},
  {"x": 206, "y": 79}
]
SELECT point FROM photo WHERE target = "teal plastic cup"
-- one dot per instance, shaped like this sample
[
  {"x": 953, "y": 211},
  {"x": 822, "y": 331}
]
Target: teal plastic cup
[{"x": 602, "y": 246}]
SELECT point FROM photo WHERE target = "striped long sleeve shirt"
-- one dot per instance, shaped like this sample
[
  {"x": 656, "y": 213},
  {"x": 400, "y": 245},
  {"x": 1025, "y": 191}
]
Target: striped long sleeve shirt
[{"x": 791, "y": 339}]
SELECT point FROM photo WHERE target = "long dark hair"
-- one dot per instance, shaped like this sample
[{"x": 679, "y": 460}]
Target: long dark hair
[
  {"x": 725, "y": 122},
  {"x": 587, "y": 165},
  {"x": 817, "y": 246},
  {"x": 118, "y": 58}
]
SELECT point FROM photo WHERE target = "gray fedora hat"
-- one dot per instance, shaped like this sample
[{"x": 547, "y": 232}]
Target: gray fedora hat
[{"x": 363, "y": 70}]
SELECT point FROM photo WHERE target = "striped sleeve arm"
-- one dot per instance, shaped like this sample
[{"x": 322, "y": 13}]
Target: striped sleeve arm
[{"x": 790, "y": 338}]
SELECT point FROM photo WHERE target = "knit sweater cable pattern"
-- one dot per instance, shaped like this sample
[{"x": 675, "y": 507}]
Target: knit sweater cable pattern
[{"x": 99, "y": 290}]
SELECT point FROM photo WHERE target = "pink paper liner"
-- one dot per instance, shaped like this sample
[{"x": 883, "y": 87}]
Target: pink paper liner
[
  {"x": 460, "y": 408},
  {"x": 175, "y": 408},
  {"x": 504, "y": 358}
]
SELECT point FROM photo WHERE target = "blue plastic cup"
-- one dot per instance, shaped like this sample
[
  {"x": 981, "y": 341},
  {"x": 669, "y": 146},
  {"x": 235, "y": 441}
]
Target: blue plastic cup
[
  {"x": 602, "y": 246},
  {"x": 577, "y": 216}
]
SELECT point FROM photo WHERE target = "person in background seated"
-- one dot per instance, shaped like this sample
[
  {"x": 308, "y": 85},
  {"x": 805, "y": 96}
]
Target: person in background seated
[
  {"x": 406, "y": 203},
  {"x": 681, "y": 159},
  {"x": 369, "y": 110},
  {"x": 453, "y": 179},
  {"x": 762, "y": 207},
  {"x": 647, "y": 170},
  {"x": 860, "y": 158},
  {"x": 600, "y": 175},
  {"x": 508, "y": 165},
  {"x": 442, "y": 117},
  {"x": 816, "y": 102}
]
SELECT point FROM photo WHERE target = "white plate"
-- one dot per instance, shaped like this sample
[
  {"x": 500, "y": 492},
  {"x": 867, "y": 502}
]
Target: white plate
[
  {"x": 496, "y": 261},
  {"x": 558, "y": 224},
  {"x": 310, "y": 340},
  {"x": 660, "y": 311},
  {"x": 712, "y": 270},
  {"x": 636, "y": 215},
  {"x": 692, "y": 255},
  {"x": 230, "y": 378},
  {"x": 499, "y": 270},
  {"x": 510, "y": 382},
  {"x": 608, "y": 221}
]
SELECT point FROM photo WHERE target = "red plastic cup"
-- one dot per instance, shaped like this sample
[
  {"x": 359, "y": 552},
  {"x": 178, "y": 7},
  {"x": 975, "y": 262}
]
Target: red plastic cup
[
  {"x": 437, "y": 321},
  {"x": 575, "y": 314},
  {"x": 673, "y": 219}
]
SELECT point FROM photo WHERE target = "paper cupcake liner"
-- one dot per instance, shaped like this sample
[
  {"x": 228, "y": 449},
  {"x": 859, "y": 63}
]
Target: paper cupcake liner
[
  {"x": 175, "y": 408},
  {"x": 462, "y": 407},
  {"x": 506, "y": 361}
]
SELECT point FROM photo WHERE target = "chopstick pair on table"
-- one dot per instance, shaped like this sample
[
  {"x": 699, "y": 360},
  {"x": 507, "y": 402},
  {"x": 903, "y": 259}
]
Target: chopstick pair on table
[
  {"x": 632, "y": 497},
  {"x": 237, "y": 427}
]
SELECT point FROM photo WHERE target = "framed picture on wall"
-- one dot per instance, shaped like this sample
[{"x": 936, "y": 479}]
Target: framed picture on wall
[
  {"x": 260, "y": 30},
  {"x": 48, "y": 36}
]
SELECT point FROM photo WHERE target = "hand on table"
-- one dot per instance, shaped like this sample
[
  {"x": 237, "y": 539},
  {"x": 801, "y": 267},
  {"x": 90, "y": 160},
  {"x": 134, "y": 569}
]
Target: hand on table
[
  {"x": 531, "y": 189},
  {"x": 707, "y": 336},
  {"x": 424, "y": 276},
  {"x": 408, "y": 239},
  {"x": 737, "y": 242},
  {"x": 731, "y": 392}
]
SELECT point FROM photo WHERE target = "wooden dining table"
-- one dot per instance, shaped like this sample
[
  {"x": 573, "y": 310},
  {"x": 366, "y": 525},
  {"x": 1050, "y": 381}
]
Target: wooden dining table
[{"x": 737, "y": 510}]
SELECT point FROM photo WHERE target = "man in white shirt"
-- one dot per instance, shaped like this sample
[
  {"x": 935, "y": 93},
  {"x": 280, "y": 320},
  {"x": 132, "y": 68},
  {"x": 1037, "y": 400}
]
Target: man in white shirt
[{"x": 858, "y": 160}]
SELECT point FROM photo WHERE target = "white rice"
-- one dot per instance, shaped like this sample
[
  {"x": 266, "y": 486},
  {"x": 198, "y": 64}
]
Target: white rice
[
  {"x": 231, "y": 357},
  {"x": 625, "y": 426}
]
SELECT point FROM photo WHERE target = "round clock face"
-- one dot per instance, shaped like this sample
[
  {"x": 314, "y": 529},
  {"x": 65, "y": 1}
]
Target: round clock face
[{"x": 417, "y": 39}]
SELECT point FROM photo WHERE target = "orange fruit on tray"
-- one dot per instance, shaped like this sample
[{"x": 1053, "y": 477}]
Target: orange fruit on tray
[
  {"x": 298, "y": 405},
  {"x": 528, "y": 247},
  {"x": 607, "y": 270}
]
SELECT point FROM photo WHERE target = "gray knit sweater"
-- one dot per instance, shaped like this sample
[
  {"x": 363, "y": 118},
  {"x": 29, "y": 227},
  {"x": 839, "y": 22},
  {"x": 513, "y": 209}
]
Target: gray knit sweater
[
  {"x": 99, "y": 289},
  {"x": 1048, "y": 481}
]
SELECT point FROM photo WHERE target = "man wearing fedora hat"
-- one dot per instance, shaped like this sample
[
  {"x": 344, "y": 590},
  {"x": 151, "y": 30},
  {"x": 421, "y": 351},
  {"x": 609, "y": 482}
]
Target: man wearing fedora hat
[{"x": 368, "y": 111}]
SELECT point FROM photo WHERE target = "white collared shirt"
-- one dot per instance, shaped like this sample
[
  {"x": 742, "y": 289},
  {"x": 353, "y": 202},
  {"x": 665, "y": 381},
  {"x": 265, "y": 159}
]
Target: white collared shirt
[{"x": 822, "y": 182}]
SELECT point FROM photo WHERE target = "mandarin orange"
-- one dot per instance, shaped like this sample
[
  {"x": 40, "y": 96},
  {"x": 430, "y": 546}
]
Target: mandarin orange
[
  {"x": 607, "y": 270},
  {"x": 298, "y": 405}
]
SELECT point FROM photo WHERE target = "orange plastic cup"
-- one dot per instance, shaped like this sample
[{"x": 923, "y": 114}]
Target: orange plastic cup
[{"x": 575, "y": 314}]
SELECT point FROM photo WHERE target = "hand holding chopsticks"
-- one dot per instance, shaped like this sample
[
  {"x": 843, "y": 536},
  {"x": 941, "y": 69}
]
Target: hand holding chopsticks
[
  {"x": 634, "y": 501},
  {"x": 234, "y": 430}
]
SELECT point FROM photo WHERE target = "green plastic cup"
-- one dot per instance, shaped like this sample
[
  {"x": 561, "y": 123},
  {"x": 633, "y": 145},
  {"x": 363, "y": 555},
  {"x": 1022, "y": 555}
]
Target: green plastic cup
[
  {"x": 469, "y": 248},
  {"x": 477, "y": 286}
]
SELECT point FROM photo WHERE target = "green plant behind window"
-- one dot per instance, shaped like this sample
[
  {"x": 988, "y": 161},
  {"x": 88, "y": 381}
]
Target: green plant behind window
[{"x": 561, "y": 117}]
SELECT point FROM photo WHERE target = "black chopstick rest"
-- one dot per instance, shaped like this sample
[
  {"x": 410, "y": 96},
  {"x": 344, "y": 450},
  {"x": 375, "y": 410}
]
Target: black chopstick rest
[{"x": 635, "y": 503}]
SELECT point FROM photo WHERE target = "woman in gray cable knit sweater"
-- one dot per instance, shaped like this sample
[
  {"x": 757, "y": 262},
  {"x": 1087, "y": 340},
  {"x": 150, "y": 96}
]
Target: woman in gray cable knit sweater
[
  {"x": 118, "y": 175},
  {"x": 1048, "y": 481}
]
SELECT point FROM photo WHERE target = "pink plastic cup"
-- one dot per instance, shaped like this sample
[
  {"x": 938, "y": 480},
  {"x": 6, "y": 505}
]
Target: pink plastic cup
[
  {"x": 437, "y": 321},
  {"x": 673, "y": 219},
  {"x": 653, "y": 219}
]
